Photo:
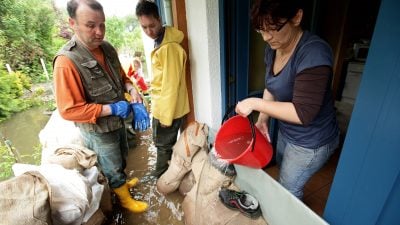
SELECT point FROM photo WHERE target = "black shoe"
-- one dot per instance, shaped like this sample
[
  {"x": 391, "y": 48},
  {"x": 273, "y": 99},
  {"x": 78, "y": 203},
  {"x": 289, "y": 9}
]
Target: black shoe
[{"x": 242, "y": 201}]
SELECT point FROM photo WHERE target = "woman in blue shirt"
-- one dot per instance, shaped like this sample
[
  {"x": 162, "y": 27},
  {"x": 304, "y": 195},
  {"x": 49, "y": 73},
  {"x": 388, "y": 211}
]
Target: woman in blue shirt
[{"x": 297, "y": 92}]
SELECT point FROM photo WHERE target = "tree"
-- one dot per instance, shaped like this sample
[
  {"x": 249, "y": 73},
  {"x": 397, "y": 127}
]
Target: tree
[
  {"x": 26, "y": 35},
  {"x": 115, "y": 29},
  {"x": 124, "y": 33}
]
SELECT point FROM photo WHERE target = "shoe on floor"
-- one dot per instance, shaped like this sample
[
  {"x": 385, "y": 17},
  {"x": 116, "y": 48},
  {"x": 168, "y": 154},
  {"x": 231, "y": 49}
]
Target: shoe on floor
[{"x": 242, "y": 201}]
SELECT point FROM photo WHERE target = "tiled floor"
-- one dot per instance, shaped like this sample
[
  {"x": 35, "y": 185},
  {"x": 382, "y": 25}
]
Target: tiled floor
[{"x": 317, "y": 188}]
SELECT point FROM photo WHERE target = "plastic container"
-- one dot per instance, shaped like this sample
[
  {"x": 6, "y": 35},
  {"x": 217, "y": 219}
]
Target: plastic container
[{"x": 239, "y": 142}]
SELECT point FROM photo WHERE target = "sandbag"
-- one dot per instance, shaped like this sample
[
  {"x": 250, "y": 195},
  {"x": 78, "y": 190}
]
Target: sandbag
[
  {"x": 70, "y": 192},
  {"x": 58, "y": 132},
  {"x": 192, "y": 139},
  {"x": 202, "y": 205},
  {"x": 73, "y": 156},
  {"x": 187, "y": 183},
  {"x": 25, "y": 200}
]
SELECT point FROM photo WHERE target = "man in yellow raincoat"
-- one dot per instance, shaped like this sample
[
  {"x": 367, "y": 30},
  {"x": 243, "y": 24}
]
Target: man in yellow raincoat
[{"x": 169, "y": 96}]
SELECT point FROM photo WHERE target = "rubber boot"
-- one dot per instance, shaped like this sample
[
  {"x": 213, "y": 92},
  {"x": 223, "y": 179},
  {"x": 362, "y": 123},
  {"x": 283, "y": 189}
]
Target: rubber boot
[
  {"x": 161, "y": 163},
  {"x": 132, "y": 182},
  {"x": 127, "y": 201}
]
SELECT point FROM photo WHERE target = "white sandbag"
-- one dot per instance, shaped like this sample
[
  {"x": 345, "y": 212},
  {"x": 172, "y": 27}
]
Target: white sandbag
[
  {"x": 70, "y": 193},
  {"x": 58, "y": 132},
  {"x": 97, "y": 191}
]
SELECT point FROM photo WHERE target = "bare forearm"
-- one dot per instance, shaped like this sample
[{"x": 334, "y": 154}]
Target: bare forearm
[{"x": 279, "y": 110}]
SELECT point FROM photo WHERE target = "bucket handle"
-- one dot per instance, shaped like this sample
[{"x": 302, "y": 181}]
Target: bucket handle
[{"x": 253, "y": 131}]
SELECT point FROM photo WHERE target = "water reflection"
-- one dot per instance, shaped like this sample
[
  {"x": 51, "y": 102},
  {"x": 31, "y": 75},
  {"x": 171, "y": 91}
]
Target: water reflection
[
  {"x": 23, "y": 130},
  {"x": 164, "y": 210}
]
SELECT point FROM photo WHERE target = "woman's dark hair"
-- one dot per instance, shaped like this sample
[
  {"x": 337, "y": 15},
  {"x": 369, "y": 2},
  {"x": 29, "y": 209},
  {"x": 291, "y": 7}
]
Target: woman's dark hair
[
  {"x": 147, "y": 8},
  {"x": 72, "y": 5},
  {"x": 268, "y": 14}
]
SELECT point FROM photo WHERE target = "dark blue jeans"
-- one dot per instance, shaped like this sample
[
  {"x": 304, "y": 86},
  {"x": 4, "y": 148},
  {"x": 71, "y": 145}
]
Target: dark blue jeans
[
  {"x": 164, "y": 139},
  {"x": 112, "y": 150}
]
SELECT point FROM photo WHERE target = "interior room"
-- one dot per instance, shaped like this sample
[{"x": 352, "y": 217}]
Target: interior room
[{"x": 348, "y": 26}]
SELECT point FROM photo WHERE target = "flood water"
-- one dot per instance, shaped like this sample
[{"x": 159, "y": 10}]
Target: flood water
[
  {"x": 163, "y": 210},
  {"x": 23, "y": 130}
]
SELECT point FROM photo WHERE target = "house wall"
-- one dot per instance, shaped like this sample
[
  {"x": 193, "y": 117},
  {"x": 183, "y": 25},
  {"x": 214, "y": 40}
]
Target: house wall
[{"x": 204, "y": 52}]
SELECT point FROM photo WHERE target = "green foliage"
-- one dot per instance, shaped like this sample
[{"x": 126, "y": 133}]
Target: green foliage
[
  {"x": 26, "y": 35},
  {"x": 11, "y": 88},
  {"x": 124, "y": 34},
  {"x": 6, "y": 162},
  {"x": 15, "y": 93},
  {"x": 7, "y": 159},
  {"x": 36, "y": 155},
  {"x": 115, "y": 29}
]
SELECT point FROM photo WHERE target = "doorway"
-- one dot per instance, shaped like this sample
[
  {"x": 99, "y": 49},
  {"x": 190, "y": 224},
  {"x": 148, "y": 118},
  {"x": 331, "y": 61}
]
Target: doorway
[{"x": 346, "y": 25}]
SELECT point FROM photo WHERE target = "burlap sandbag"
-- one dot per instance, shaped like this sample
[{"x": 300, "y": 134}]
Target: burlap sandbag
[
  {"x": 73, "y": 156},
  {"x": 25, "y": 200},
  {"x": 192, "y": 139},
  {"x": 187, "y": 183},
  {"x": 202, "y": 204}
]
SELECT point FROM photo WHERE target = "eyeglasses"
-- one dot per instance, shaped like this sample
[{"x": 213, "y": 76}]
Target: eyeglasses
[{"x": 276, "y": 29}]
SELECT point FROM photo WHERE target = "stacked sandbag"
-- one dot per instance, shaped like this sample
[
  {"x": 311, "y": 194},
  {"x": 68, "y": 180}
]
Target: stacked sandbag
[
  {"x": 25, "y": 199},
  {"x": 187, "y": 183},
  {"x": 82, "y": 159},
  {"x": 202, "y": 205},
  {"x": 192, "y": 139},
  {"x": 72, "y": 156},
  {"x": 57, "y": 133},
  {"x": 76, "y": 186},
  {"x": 70, "y": 192}
]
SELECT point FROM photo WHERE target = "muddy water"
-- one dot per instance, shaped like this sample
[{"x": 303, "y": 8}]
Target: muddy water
[
  {"x": 163, "y": 210},
  {"x": 23, "y": 130}
]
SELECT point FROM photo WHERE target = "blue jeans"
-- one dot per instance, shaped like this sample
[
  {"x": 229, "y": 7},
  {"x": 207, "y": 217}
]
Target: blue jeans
[
  {"x": 112, "y": 150},
  {"x": 297, "y": 164}
]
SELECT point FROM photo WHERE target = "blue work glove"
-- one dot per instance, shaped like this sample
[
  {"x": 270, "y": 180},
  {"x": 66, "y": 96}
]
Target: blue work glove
[
  {"x": 141, "y": 119},
  {"x": 120, "y": 109}
]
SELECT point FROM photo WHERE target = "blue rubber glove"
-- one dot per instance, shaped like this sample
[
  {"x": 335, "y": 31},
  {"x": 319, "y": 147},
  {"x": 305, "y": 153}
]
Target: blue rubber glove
[
  {"x": 141, "y": 119},
  {"x": 120, "y": 109}
]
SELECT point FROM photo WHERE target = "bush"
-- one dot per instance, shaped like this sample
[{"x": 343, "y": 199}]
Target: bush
[
  {"x": 8, "y": 159},
  {"x": 12, "y": 89},
  {"x": 6, "y": 162}
]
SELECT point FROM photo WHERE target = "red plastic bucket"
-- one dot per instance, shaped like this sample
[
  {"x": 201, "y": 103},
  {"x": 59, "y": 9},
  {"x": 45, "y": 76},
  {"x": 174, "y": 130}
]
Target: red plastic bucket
[{"x": 238, "y": 141}]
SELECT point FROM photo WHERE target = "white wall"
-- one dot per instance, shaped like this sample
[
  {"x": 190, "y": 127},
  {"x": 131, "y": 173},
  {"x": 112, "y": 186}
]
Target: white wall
[{"x": 204, "y": 52}]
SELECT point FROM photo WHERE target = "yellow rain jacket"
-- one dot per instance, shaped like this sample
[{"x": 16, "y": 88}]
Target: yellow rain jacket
[{"x": 169, "y": 96}]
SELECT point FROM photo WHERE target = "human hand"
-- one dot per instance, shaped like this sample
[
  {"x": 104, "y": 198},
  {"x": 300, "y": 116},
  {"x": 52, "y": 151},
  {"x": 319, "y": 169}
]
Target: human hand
[
  {"x": 262, "y": 126},
  {"x": 243, "y": 107},
  {"x": 135, "y": 96},
  {"x": 141, "y": 119},
  {"x": 120, "y": 109}
]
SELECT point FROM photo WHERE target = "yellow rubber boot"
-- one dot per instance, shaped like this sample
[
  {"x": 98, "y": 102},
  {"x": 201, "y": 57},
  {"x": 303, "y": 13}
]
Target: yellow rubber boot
[
  {"x": 132, "y": 182},
  {"x": 128, "y": 202}
]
